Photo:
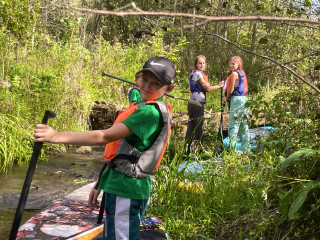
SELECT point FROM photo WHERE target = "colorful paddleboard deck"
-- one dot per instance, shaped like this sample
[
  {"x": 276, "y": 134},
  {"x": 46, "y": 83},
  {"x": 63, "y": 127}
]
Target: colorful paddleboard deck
[{"x": 68, "y": 219}]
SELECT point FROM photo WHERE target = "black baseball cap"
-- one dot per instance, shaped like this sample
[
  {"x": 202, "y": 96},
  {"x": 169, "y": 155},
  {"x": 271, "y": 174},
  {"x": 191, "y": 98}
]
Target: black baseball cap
[{"x": 162, "y": 67}]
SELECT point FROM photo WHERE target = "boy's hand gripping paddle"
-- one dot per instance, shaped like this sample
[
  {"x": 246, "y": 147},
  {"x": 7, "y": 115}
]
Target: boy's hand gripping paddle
[
  {"x": 25, "y": 190},
  {"x": 179, "y": 98}
]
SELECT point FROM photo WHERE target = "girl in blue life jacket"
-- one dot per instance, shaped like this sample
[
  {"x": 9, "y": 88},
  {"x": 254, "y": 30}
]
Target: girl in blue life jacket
[
  {"x": 237, "y": 89},
  {"x": 198, "y": 86},
  {"x": 126, "y": 188}
]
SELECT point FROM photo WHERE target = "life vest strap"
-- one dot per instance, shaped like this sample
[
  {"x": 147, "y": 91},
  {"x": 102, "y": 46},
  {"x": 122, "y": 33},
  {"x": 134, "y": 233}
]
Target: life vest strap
[
  {"x": 131, "y": 158},
  {"x": 101, "y": 171}
]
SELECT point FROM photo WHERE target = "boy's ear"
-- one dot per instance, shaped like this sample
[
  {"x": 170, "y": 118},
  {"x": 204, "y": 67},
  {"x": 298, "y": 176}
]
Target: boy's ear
[{"x": 170, "y": 88}]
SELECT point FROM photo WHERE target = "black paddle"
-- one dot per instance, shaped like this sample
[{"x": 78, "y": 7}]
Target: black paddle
[
  {"x": 179, "y": 98},
  {"x": 25, "y": 190},
  {"x": 219, "y": 144}
]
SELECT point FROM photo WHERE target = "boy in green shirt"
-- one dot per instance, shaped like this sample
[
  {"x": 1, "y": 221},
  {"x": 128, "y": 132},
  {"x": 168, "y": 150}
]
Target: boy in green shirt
[
  {"x": 134, "y": 94},
  {"x": 135, "y": 145}
]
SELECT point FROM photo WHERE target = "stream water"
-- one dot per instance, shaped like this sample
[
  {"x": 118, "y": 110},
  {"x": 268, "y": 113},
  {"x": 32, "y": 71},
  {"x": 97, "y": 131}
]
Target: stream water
[{"x": 60, "y": 175}]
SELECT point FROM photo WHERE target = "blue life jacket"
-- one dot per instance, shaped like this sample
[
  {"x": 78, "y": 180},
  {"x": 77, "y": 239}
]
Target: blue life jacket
[
  {"x": 195, "y": 87},
  {"x": 241, "y": 89}
]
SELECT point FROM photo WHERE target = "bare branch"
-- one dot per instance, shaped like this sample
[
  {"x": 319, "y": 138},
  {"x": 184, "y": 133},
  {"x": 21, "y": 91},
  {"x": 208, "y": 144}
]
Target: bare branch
[
  {"x": 304, "y": 26},
  {"x": 270, "y": 59},
  {"x": 206, "y": 18},
  {"x": 197, "y": 24},
  {"x": 286, "y": 63}
]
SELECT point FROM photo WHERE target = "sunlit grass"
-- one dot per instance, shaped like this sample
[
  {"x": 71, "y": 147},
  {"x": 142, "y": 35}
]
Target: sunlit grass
[
  {"x": 193, "y": 205},
  {"x": 14, "y": 141}
]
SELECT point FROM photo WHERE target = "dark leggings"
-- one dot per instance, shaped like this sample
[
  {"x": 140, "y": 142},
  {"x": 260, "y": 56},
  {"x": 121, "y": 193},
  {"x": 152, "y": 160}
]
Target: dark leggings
[{"x": 196, "y": 114}]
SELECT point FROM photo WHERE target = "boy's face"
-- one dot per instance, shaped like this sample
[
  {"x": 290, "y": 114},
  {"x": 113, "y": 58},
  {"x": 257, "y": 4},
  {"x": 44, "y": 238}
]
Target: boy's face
[
  {"x": 137, "y": 80},
  {"x": 151, "y": 88}
]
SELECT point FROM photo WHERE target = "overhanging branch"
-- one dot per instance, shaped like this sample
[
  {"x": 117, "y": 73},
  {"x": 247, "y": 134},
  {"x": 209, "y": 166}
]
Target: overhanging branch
[
  {"x": 187, "y": 15},
  {"x": 286, "y": 63}
]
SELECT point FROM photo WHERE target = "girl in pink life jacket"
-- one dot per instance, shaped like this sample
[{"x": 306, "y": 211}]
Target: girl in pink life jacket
[
  {"x": 126, "y": 196},
  {"x": 237, "y": 89},
  {"x": 199, "y": 86}
]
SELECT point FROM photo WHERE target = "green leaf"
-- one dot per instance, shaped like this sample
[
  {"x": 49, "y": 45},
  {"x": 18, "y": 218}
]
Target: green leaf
[
  {"x": 201, "y": 235},
  {"x": 290, "y": 11},
  {"x": 284, "y": 202},
  {"x": 300, "y": 197},
  {"x": 298, "y": 155},
  {"x": 317, "y": 63},
  {"x": 260, "y": 183},
  {"x": 307, "y": 3},
  {"x": 259, "y": 6},
  {"x": 281, "y": 159},
  {"x": 263, "y": 40}
]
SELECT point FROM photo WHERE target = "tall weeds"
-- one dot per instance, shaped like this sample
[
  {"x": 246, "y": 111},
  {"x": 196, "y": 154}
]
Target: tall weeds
[
  {"x": 195, "y": 205},
  {"x": 14, "y": 141},
  {"x": 65, "y": 77}
]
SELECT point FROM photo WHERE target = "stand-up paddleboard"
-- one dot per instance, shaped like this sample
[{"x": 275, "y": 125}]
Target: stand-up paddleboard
[
  {"x": 254, "y": 133},
  {"x": 65, "y": 219},
  {"x": 71, "y": 218}
]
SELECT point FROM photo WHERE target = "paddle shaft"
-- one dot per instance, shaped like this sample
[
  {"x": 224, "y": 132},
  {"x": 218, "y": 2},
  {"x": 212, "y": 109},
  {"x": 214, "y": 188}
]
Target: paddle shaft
[
  {"x": 179, "y": 98},
  {"x": 25, "y": 190},
  {"x": 121, "y": 79},
  {"x": 219, "y": 144}
]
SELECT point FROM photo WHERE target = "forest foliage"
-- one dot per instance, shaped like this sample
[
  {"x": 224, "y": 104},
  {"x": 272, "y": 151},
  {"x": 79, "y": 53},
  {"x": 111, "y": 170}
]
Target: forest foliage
[{"x": 53, "y": 56}]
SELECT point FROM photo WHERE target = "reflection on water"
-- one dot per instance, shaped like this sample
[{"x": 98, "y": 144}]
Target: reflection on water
[
  {"x": 54, "y": 179},
  {"x": 6, "y": 219}
]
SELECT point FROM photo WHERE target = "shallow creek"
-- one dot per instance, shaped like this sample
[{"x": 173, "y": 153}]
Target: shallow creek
[{"x": 60, "y": 175}]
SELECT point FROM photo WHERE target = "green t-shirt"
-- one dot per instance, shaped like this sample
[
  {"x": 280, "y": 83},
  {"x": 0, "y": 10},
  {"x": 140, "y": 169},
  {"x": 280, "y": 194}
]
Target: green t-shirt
[
  {"x": 146, "y": 123},
  {"x": 135, "y": 95}
]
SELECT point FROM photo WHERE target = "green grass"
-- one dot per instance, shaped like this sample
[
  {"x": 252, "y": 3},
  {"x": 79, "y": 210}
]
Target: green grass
[
  {"x": 196, "y": 204},
  {"x": 14, "y": 141}
]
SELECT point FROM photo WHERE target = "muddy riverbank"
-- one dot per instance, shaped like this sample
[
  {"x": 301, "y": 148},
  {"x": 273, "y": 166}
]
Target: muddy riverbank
[{"x": 60, "y": 175}]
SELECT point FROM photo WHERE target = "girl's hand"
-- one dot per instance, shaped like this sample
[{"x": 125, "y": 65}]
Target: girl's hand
[
  {"x": 221, "y": 84},
  {"x": 44, "y": 133}
]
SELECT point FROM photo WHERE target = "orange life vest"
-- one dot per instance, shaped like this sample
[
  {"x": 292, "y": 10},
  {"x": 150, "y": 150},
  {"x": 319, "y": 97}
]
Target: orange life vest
[
  {"x": 127, "y": 159},
  {"x": 240, "y": 89}
]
